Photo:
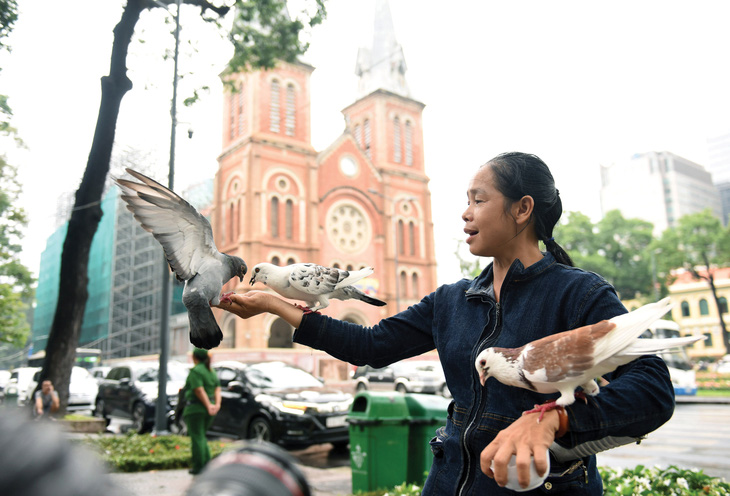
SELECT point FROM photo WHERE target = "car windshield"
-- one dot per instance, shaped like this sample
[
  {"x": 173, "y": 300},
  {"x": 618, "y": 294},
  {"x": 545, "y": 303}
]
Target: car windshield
[
  {"x": 80, "y": 374},
  {"x": 173, "y": 374},
  {"x": 280, "y": 376}
]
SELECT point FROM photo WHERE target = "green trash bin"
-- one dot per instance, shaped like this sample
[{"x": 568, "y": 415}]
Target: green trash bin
[
  {"x": 378, "y": 440},
  {"x": 427, "y": 413}
]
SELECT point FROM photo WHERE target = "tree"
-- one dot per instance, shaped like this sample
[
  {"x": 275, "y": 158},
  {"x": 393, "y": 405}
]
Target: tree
[
  {"x": 15, "y": 279},
  {"x": 616, "y": 248},
  {"x": 262, "y": 33},
  {"x": 699, "y": 244}
]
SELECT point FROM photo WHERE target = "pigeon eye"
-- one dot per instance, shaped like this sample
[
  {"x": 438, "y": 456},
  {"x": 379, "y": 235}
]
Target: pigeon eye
[
  {"x": 257, "y": 270},
  {"x": 482, "y": 363}
]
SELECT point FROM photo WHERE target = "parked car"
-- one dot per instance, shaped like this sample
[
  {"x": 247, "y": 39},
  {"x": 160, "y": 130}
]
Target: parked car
[
  {"x": 410, "y": 376},
  {"x": 129, "y": 392},
  {"x": 99, "y": 373},
  {"x": 82, "y": 389},
  {"x": 279, "y": 403},
  {"x": 20, "y": 379},
  {"x": 4, "y": 379}
]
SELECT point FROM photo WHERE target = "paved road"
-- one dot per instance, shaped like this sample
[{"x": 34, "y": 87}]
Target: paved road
[{"x": 697, "y": 436}]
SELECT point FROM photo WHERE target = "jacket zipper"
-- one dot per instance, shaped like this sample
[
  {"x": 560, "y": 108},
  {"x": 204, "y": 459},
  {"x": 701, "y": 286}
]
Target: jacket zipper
[{"x": 480, "y": 404}]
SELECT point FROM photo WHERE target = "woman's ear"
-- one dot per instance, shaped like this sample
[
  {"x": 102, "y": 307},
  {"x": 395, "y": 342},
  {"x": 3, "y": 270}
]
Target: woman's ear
[{"x": 522, "y": 209}]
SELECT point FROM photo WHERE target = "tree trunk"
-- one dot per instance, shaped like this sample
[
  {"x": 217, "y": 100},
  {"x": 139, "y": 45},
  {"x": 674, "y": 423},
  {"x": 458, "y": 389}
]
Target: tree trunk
[
  {"x": 723, "y": 327},
  {"x": 66, "y": 328}
]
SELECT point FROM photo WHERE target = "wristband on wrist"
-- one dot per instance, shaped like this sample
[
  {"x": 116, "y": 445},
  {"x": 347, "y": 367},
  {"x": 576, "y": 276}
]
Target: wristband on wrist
[{"x": 564, "y": 422}]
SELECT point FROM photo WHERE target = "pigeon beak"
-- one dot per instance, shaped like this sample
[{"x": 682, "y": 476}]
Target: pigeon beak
[
  {"x": 482, "y": 376},
  {"x": 253, "y": 279}
]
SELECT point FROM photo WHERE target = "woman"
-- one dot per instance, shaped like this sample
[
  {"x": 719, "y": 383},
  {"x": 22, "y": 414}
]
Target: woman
[
  {"x": 203, "y": 400},
  {"x": 523, "y": 295}
]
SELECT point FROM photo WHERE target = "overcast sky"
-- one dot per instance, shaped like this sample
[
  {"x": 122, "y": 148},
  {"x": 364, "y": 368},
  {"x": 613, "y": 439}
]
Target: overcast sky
[{"x": 578, "y": 83}]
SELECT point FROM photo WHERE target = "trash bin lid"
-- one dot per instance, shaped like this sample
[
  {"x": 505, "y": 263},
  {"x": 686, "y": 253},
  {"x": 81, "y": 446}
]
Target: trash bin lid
[
  {"x": 379, "y": 406},
  {"x": 427, "y": 406}
]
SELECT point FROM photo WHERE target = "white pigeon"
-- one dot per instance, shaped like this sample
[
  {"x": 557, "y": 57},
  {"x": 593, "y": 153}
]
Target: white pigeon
[
  {"x": 560, "y": 363},
  {"x": 313, "y": 284},
  {"x": 187, "y": 239}
]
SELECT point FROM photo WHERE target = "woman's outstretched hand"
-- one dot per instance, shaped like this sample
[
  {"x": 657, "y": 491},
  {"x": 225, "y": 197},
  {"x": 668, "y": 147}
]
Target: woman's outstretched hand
[{"x": 253, "y": 303}]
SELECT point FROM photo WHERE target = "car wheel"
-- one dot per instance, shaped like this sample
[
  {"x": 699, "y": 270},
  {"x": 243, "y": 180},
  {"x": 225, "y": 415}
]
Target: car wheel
[
  {"x": 138, "y": 418},
  {"x": 100, "y": 413},
  {"x": 260, "y": 430},
  {"x": 401, "y": 388},
  {"x": 445, "y": 391},
  {"x": 361, "y": 387}
]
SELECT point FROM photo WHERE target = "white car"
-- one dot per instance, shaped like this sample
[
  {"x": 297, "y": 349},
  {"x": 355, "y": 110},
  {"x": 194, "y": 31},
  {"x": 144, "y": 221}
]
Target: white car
[{"x": 20, "y": 380}]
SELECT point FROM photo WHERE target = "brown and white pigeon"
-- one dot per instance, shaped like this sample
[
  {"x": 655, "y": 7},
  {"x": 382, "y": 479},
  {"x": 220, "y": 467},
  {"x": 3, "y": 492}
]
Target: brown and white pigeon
[
  {"x": 187, "y": 239},
  {"x": 560, "y": 363},
  {"x": 313, "y": 284}
]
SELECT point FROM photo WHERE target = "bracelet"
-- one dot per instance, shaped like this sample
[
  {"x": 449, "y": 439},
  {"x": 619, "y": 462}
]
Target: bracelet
[{"x": 564, "y": 422}]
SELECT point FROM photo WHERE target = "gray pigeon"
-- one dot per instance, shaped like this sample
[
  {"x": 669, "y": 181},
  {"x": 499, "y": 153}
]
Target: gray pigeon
[
  {"x": 187, "y": 239},
  {"x": 313, "y": 284}
]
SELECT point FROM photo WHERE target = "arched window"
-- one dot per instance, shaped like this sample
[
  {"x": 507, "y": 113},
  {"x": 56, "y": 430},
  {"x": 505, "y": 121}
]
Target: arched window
[
  {"x": 232, "y": 222},
  {"x": 289, "y": 219},
  {"x": 240, "y": 110},
  {"x": 357, "y": 133},
  {"x": 232, "y": 119},
  {"x": 414, "y": 286},
  {"x": 400, "y": 235},
  {"x": 275, "y": 261},
  {"x": 366, "y": 126},
  {"x": 290, "y": 110},
  {"x": 685, "y": 309},
  {"x": 722, "y": 302},
  {"x": 274, "y": 221},
  {"x": 403, "y": 284},
  {"x": 409, "y": 143},
  {"x": 229, "y": 335},
  {"x": 274, "y": 115},
  {"x": 411, "y": 238},
  {"x": 290, "y": 261},
  {"x": 336, "y": 265},
  {"x": 396, "y": 141},
  {"x": 349, "y": 268},
  {"x": 704, "y": 308},
  {"x": 280, "y": 335}
]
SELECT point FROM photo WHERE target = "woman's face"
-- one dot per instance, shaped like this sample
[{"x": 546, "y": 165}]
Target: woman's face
[{"x": 488, "y": 227}]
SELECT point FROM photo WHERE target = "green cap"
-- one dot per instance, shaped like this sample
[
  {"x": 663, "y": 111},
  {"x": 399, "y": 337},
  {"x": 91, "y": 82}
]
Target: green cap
[{"x": 200, "y": 353}]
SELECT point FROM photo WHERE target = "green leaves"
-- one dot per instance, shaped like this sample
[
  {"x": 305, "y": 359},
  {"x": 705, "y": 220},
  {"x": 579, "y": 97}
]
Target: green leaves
[{"x": 656, "y": 481}]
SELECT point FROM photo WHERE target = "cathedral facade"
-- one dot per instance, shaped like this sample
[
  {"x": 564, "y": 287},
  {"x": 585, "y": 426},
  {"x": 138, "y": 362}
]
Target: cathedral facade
[{"x": 362, "y": 202}]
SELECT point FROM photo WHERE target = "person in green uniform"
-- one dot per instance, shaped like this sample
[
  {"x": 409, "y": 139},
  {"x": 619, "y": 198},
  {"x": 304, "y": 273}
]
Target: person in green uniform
[{"x": 203, "y": 400}]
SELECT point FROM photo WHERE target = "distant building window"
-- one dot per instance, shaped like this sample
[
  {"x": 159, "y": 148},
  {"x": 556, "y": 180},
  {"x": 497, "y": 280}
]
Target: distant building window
[
  {"x": 274, "y": 107},
  {"x": 403, "y": 283},
  {"x": 275, "y": 261},
  {"x": 290, "y": 110},
  {"x": 357, "y": 133},
  {"x": 232, "y": 120},
  {"x": 289, "y": 219},
  {"x": 229, "y": 336},
  {"x": 280, "y": 334},
  {"x": 409, "y": 143},
  {"x": 232, "y": 222},
  {"x": 366, "y": 128},
  {"x": 290, "y": 261},
  {"x": 275, "y": 217},
  {"x": 722, "y": 303},
  {"x": 411, "y": 238},
  {"x": 708, "y": 340},
  {"x": 396, "y": 141},
  {"x": 704, "y": 308},
  {"x": 414, "y": 285},
  {"x": 400, "y": 236},
  {"x": 685, "y": 309},
  {"x": 240, "y": 111}
]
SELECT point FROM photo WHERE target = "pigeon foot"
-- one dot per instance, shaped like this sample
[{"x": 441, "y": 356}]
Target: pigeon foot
[
  {"x": 227, "y": 297},
  {"x": 542, "y": 409}
]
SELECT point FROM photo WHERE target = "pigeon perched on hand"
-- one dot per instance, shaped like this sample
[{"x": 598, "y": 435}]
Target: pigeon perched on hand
[
  {"x": 562, "y": 362},
  {"x": 187, "y": 239},
  {"x": 313, "y": 284}
]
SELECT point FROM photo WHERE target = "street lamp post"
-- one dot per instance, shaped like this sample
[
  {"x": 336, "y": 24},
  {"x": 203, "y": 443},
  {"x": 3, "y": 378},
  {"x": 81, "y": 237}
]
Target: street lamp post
[
  {"x": 161, "y": 409},
  {"x": 394, "y": 202}
]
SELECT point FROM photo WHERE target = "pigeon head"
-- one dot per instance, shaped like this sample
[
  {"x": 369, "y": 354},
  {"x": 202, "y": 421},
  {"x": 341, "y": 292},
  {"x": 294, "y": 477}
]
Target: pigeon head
[
  {"x": 240, "y": 266},
  {"x": 490, "y": 363},
  {"x": 260, "y": 273}
]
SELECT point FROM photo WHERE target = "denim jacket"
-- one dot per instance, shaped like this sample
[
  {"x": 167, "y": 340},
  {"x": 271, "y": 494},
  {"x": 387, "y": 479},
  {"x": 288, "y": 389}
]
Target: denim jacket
[{"x": 462, "y": 319}]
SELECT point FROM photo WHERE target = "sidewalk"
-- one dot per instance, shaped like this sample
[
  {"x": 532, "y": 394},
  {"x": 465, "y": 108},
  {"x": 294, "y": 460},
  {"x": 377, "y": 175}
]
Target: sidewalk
[{"x": 323, "y": 482}]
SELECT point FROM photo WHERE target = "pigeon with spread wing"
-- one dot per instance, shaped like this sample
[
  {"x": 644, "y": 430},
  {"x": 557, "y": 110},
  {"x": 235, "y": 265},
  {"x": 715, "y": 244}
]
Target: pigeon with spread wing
[
  {"x": 560, "y": 363},
  {"x": 313, "y": 284},
  {"x": 187, "y": 239}
]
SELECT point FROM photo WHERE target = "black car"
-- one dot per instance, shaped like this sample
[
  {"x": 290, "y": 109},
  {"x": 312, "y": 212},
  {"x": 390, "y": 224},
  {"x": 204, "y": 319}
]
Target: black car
[
  {"x": 129, "y": 392},
  {"x": 279, "y": 403}
]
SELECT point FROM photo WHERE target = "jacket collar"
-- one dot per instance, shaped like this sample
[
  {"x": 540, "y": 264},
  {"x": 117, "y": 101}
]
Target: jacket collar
[{"x": 482, "y": 284}]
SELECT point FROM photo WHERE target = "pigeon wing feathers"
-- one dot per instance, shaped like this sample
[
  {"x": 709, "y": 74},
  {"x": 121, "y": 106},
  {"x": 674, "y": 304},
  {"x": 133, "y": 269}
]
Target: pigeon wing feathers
[
  {"x": 651, "y": 346},
  {"x": 316, "y": 279},
  {"x": 565, "y": 355},
  {"x": 629, "y": 326},
  {"x": 185, "y": 235}
]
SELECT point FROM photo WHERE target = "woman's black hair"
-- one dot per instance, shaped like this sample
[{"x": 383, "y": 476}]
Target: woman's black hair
[{"x": 519, "y": 174}]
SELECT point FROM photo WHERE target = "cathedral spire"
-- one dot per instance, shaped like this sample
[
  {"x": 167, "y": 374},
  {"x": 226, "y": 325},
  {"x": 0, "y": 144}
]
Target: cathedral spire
[{"x": 383, "y": 66}]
